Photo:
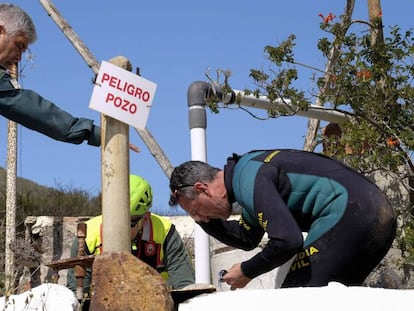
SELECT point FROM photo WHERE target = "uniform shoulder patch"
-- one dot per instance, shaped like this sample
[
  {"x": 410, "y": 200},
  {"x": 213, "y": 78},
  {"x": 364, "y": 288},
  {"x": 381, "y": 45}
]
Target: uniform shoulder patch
[{"x": 15, "y": 83}]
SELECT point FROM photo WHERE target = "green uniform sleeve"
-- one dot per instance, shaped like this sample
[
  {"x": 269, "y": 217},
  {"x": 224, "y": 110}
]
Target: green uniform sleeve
[
  {"x": 33, "y": 111},
  {"x": 70, "y": 277},
  {"x": 178, "y": 262}
]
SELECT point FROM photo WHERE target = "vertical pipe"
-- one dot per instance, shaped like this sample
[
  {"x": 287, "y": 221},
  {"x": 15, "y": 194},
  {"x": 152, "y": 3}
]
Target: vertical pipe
[
  {"x": 196, "y": 96},
  {"x": 201, "y": 239}
]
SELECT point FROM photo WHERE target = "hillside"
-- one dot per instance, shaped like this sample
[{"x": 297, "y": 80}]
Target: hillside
[
  {"x": 33, "y": 199},
  {"x": 23, "y": 184}
]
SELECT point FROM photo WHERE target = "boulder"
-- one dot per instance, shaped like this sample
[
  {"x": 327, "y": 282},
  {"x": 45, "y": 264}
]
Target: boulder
[{"x": 120, "y": 281}]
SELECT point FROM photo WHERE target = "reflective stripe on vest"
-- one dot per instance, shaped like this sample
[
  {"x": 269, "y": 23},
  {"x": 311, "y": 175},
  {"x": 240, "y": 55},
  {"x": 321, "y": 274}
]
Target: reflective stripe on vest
[{"x": 155, "y": 230}]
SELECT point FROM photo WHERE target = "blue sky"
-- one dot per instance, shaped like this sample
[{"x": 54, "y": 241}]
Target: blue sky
[{"x": 174, "y": 43}]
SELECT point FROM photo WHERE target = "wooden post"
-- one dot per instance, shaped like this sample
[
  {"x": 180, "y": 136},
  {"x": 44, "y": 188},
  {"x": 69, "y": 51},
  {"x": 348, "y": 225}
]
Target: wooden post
[
  {"x": 9, "y": 268},
  {"x": 80, "y": 270},
  {"x": 116, "y": 229}
]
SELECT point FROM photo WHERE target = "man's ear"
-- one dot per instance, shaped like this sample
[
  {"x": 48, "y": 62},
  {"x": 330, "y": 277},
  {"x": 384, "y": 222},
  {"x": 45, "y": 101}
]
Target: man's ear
[
  {"x": 2, "y": 29},
  {"x": 200, "y": 187}
]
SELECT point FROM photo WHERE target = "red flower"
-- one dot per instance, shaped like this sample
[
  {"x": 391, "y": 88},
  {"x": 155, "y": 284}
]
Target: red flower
[
  {"x": 326, "y": 19},
  {"x": 364, "y": 74},
  {"x": 392, "y": 142}
]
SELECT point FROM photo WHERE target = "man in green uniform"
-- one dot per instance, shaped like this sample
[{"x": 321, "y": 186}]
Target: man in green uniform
[{"x": 26, "y": 107}]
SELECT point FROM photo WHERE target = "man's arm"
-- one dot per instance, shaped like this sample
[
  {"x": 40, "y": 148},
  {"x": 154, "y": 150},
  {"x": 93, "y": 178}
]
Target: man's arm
[
  {"x": 232, "y": 233},
  {"x": 178, "y": 262},
  {"x": 31, "y": 110},
  {"x": 284, "y": 234}
]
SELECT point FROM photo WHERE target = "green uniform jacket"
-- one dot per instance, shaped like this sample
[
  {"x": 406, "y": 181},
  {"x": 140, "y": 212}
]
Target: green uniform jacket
[
  {"x": 29, "y": 109},
  {"x": 176, "y": 261}
]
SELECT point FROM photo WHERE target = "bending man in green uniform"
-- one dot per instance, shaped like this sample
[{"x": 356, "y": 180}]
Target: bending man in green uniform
[
  {"x": 154, "y": 240},
  {"x": 26, "y": 107}
]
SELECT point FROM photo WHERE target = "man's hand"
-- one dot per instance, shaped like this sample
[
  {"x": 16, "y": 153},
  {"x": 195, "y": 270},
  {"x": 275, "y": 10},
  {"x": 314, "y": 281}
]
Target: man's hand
[
  {"x": 132, "y": 147},
  {"x": 235, "y": 277}
]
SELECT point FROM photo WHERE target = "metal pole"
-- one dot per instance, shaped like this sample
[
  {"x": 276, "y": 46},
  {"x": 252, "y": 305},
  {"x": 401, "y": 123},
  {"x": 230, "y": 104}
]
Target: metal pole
[{"x": 11, "y": 174}]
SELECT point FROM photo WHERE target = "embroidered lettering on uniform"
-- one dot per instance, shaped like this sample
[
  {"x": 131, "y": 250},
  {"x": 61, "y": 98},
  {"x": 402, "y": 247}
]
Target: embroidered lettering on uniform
[
  {"x": 302, "y": 258},
  {"x": 15, "y": 84},
  {"x": 262, "y": 223},
  {"x": 271, "y": 156},
  {"x": 244, "y": 224}
]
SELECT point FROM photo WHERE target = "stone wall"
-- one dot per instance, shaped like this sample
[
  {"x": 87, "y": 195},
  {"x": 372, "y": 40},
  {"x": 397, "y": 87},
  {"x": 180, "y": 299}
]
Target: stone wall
[{"x": 52, "y": 237}]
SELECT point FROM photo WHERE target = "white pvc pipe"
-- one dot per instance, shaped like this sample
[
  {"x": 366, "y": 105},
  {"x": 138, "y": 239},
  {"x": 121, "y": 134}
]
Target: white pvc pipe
[
  {"x": 201, "y": 239},
  {"x": 314, "y": 112}
]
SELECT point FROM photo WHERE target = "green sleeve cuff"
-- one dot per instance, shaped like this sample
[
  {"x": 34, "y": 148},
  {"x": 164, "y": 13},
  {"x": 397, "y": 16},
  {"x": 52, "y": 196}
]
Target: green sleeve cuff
[{"x": 95, "y": 136}]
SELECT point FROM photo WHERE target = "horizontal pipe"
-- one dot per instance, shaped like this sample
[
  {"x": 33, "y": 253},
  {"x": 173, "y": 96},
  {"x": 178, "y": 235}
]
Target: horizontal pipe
[
  {"x": 199, "y": 92},
  {"x": 314, "y": 112}
]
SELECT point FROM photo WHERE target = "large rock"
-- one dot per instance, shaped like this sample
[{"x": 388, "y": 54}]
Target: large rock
[{"x": 120, "y": 281}]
